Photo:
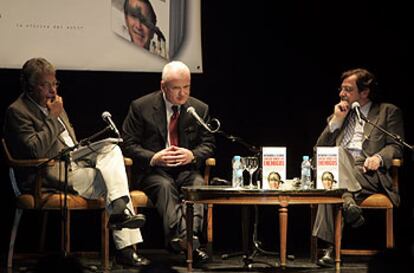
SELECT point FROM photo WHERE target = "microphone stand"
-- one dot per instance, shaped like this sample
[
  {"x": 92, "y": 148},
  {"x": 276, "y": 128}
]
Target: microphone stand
[
  {"x": 396, "y": 137},
  {"x": 248, "y": 259},
  {"x": 64, "y": 155}
]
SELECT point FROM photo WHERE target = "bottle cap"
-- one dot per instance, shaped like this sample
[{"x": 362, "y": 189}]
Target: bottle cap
[
  {"x": 305, "y": 157},
  {"x": 236, "y": 157}
]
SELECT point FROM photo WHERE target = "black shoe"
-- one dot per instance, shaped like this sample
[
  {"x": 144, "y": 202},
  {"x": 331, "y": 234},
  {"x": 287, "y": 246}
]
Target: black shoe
[
  {"x": 200, "y": 257},
  {"x": 327, "y": 259},
  {"x": 128, "y": 257},
  {"x": 126, "y": 220},
  {"x": 353, "y": 213},
  {"x": 178, "y": 244}
]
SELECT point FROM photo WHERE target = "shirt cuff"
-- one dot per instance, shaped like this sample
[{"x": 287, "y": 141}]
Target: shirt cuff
[{"x": 381, "y": 161}]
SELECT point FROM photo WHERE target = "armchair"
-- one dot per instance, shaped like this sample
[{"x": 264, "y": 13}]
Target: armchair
[{"x": 47, "y": 202}]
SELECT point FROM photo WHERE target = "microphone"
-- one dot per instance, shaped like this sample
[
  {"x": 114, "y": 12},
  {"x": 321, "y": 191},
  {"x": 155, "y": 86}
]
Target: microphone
[
  {"x": 106, "y": 116},
  {"x": 193, "y": 112},
  {"x": 357, "y": 107}
]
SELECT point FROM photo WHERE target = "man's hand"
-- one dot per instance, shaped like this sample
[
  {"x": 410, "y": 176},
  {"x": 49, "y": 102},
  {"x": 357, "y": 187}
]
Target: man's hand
[
  {"x": 372, "y": 163},
  {"x": 172, "y": 156},
  {"x": 55, "y": 106},
  {"x": 340, "y": 111}
]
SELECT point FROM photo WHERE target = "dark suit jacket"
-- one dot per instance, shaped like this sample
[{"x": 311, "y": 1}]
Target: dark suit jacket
[
  {"x": 30, "y": 134},
  {"x": 145, "y": 131},
  {"x": 387, "y": 116}
]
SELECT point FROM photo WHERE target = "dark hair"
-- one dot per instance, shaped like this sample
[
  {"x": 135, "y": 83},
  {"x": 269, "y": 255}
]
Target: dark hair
[
  {"x": 331, "y": 176},
  {"x": 277, "y": 174},
  {"x": 32, "y": 70},
  {"x": 151, "y": 10},
  {"x": 364, "y": 79}
]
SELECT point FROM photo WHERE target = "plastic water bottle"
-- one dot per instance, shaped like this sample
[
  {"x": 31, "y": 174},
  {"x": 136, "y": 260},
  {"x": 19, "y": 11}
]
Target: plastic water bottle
[
  {"x": 237, "y": 175},
  {"x": 306, "y": 177}
]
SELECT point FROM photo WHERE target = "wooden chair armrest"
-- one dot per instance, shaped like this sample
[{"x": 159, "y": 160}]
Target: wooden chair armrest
[
  {"x": 128, "y": 161},
  {"x": 210, "y": 162},
  {"x": 396, "y": 163},
  {"x": 128, "y": 166}
]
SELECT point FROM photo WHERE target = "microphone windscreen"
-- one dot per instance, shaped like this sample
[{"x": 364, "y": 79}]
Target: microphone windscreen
[
  {"x": 106, "y": 114},
  {"x": 355, "y": 104}
]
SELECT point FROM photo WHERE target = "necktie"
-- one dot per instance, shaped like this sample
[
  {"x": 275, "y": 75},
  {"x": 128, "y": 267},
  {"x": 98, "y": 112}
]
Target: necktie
[
  {"x": 349, "y": 129},
  {"x": 173, "y": 126}
]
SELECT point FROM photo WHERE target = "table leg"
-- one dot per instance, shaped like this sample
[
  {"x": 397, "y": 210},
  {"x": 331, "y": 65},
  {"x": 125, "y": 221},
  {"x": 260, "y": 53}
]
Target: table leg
[
  {"x": 283, "y": 221},
  {"x": 210, "y": 230},
  {"x": 189, "y": 226},
  {"x": 338, "y": 236}
]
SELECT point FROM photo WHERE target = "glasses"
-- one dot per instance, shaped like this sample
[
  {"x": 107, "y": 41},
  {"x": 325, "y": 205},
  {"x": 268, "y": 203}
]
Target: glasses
[
  {"x": 179, "y": 88},
  {"x": 50, "y": 85},
  {"x": 346, "y": 88}
]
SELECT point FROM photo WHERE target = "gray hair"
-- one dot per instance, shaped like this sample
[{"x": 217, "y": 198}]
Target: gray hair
[
  {"x": 32, "y": 70},
  {"x": 174, "y": 67}
]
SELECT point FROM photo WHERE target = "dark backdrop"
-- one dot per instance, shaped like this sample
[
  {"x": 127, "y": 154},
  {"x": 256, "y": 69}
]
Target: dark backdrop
[{"x": 270, "y": 76}]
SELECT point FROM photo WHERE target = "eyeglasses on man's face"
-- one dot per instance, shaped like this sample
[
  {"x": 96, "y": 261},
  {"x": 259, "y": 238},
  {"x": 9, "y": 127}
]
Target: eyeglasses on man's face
[
  {"x": 179, "y": 88},
  {"x": 49, "y": 85},
  {"x": 346, "y": 89}
]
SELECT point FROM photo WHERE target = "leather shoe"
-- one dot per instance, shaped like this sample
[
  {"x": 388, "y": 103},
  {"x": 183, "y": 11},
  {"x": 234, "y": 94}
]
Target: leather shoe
[
  {"x": 353, "y": 213},
  {"x": 128, "y": 257},
  {"x": 327, "y": 259},
  {"x": 126, "y": 220},
  {"x": 200, "y": 257},
  {"x": 178, "y": 244}
]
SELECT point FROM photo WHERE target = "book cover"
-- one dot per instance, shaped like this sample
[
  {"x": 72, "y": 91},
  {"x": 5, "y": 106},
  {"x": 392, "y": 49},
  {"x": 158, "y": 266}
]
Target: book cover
[
  {"x": 273, "y": 167},
  {"x": 157, "y": 26},
  {"x": 327, "y": 167}
]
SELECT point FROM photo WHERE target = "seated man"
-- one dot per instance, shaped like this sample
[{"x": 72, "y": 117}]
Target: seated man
[
  {"x": 36, "y": 126},
  {"x": 170, "y": 148},
  {"x": 366, "y": 153}
]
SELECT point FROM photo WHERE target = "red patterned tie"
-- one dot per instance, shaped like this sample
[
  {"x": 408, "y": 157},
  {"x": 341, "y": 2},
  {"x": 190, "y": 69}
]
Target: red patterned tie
[{"x": 173, "y": 126}]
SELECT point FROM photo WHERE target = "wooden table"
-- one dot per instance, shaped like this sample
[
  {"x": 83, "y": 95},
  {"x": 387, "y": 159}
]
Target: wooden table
[{"x": 221, "y": 195}]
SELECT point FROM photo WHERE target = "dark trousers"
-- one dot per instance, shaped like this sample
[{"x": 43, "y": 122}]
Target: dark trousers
[
  {"x": 352, "y": 178},
  {"x": 163, "y": 187}
]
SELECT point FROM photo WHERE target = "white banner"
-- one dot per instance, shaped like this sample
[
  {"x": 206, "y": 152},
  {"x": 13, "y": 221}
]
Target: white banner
[{"x": 93, "y": 34}]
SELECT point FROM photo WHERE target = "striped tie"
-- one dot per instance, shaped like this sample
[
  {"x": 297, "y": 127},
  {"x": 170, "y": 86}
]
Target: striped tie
[{"x": 349, "y": 129}]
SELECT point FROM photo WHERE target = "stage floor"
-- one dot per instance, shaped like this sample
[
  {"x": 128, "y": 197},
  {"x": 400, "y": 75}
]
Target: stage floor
[{"x": 231, "y": 265}]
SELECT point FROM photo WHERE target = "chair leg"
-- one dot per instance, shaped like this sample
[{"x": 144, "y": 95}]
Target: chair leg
[
  {"x": 43, "y": 231},
  {"x": 389, "y": 228},
  {"x": 65, "y": 238},
  {"x": 210, "y": 229},
  {"x": 17, "y": 216},
  {"x": 314, "y": 239},
  {"x": 105, "y": 240}
]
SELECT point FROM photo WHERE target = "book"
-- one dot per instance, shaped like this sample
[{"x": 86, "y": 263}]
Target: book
[
  {"x": 273, "y": 167},
  {"x": 157, "y": 26},
  {"x": 94, "y": 147},
  {"x": 327, "y": 167}
]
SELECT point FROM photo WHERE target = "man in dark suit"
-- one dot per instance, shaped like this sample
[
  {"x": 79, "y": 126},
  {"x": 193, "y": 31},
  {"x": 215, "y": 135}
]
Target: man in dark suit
[
  {"x": 36, "y": 126},
  {"x": 169, "y": 149},
  {"x": 366, "y": 153}
]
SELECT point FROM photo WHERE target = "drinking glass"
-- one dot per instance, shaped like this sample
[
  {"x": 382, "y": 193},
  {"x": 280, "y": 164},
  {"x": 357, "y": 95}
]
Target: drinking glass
[{"x": 251, "y": 163}]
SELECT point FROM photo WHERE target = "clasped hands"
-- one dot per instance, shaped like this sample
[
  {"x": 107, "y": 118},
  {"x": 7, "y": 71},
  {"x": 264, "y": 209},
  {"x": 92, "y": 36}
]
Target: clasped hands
[{"x": 172, "y": 156}]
